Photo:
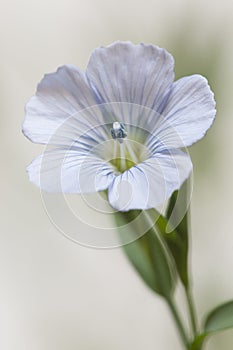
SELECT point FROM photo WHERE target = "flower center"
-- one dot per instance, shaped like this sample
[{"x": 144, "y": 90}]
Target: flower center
[{"x": 126, "y": 152}]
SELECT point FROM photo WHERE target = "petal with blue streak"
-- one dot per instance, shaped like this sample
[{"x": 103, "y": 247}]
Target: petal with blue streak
[
  {"x": 59, "y": 95},
  {"x": 188, "y": 114},
  {"x": 67, "y": 171},
  {"x": 151, "y": 182},
  {"x": 124, "y": 72}
]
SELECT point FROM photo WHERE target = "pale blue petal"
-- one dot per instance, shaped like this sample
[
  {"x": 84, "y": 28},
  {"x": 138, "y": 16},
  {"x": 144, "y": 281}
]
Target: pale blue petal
[
  {"x": 67, "y": 171},
  {"x": 59, "y": 95},
  {"x": 188, "y": 114},
  {"x": 123, "y": 72},
  {"x": 150, "y": 183},
  {"x": 138, "y": 120}
]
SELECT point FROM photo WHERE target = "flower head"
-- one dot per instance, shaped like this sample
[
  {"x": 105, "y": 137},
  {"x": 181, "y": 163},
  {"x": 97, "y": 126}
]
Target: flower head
[{"x": 118, "y": 126}]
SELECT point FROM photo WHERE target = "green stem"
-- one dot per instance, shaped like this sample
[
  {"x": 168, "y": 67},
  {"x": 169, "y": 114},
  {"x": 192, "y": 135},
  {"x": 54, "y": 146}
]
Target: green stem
[
  {"x": 179, "y": 324},
  {"x": 192, "y": 311}
]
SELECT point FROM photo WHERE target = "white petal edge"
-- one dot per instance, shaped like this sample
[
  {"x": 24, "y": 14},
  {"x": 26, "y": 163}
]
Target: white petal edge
[
  {"x": 150, "y": 183},
  {"x": 65, "y": 171},
  {"x": 125, "y": 72},
  {"x": 59, "y": 95},
  {"x": 188, "y": 114}
]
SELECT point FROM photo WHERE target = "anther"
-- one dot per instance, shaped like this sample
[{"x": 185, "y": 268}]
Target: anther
[{"x": 118, "y": 131}]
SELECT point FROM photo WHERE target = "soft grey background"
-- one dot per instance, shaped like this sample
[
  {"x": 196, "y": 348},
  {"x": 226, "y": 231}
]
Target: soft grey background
[{"x": 57, "y": 295}]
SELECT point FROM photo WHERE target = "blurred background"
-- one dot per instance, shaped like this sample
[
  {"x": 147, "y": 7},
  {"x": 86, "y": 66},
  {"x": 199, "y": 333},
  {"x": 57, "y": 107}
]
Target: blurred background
[{"x": 55, "y": 294}]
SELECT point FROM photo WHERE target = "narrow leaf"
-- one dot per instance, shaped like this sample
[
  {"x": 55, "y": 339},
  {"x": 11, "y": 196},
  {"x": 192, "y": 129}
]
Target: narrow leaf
[
  {"x": 176, "y": 231},
  {"x": 148, "y": 254},
  {"x": 220, "y": 318}
]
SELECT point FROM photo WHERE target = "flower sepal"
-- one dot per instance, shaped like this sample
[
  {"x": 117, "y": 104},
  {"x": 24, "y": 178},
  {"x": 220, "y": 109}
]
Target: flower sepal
[
  {"x": 148, "y": 254},
  {"x": 175, "y": 229}
]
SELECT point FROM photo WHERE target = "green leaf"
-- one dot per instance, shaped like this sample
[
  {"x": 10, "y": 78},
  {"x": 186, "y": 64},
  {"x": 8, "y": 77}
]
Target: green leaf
[
  {"x": 148, "y": 254},
  {"x": 220, "y": 318},
  {"x": 176, "y": 230}
]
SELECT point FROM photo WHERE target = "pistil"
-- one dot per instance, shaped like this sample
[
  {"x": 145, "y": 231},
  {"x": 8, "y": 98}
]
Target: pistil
[{"x": 124, "y": 155}]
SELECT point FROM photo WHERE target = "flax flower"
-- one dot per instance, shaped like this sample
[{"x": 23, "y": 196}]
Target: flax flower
[{"x": 119, "y": 126}]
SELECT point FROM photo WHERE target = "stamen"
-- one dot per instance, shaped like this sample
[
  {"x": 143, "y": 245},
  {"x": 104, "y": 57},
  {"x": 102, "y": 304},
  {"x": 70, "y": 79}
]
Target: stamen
[
  {"x": 122, "y": 156},
  {"x": 115, "y": 150},
  {"x": 118, "y": 131},
  {"x": 131, "y": 152},
  {"x": 124, "y": 153}
]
